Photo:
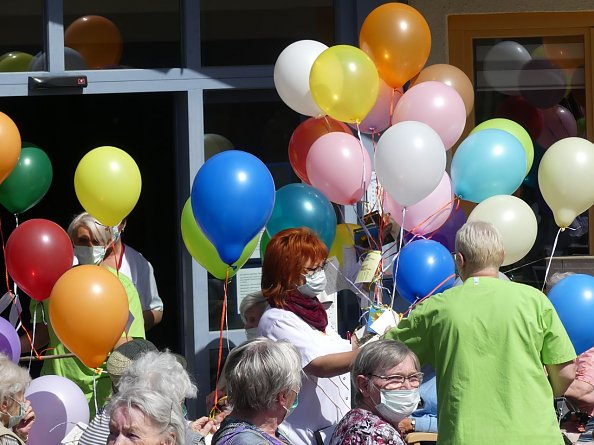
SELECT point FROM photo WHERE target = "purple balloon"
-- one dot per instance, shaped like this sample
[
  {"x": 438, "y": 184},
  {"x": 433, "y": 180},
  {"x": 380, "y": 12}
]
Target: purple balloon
[
  {"x": 446, "y": 234},
  {"x": 58, "y": 404},
  {"x": 542, "y": 83},
  {"x": 10, "y": 343}
]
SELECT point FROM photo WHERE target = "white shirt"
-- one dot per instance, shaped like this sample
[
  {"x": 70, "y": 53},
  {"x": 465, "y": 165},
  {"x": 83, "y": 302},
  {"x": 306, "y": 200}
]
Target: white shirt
[
  {"x": 143, "y": 279},
  {"x": 322, "y": 401}
]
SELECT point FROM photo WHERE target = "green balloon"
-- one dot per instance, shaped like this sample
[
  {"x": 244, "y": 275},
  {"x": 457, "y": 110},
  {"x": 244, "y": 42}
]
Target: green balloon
[
  {"x": 28, "y": 182},
  {"x": 515, "y": 130},
  {"x": 263, "y": 243},
  {"x": 15, "y": 61},
  {"x": 204, "y": 252}
]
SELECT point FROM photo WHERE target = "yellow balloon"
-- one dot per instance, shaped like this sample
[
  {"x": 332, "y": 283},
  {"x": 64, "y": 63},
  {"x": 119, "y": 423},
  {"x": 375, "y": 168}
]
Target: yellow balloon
[
  {"x": 565, "y": 178},
  {"x": 344, "y": 83},
  {"x": 107, "y": 183},
  {"x": 343, "y": 238}
]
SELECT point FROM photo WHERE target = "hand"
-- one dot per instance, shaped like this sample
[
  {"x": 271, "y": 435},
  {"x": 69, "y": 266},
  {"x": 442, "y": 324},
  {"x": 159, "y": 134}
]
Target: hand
[
  {"x": 405, "y": 426},
  {"x": 24, "y": 426},
  {"x": 204, "y": 426}
]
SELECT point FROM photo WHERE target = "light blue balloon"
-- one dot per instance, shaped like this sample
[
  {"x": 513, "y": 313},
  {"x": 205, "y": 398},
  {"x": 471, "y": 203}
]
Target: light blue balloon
[
  {"x": 300, "y": 205},
  {"x": 487, "y": 163}
]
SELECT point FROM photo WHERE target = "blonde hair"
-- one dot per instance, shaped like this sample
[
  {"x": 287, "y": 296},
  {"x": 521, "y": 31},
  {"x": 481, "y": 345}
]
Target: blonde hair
[{"x": 481, "y": 246}]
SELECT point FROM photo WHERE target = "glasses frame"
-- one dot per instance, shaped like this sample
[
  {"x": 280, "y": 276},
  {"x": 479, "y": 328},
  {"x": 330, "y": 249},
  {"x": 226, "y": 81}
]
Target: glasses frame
[
  {"x": 311, "y": 270},
  {"x": 418, "y": 375}
]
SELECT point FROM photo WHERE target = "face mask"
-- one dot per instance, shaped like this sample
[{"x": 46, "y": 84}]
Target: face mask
[
  {"x": 293, "y": 406},
  {"x": 115, "y": 234},
  {"x": 89, "y": 255},
  {"x": 251, "y": 333},
  {"x": 15, "y": 420},
  {"x": 315, "y": 283},
  {"x": 397, "y": 404}
]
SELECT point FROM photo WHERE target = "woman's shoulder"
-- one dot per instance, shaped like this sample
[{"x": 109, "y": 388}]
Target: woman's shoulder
[
  {"x": 362, "y": 426},
  {"x": 234, "y": 432},
  {"x": 275, "y": 316}
]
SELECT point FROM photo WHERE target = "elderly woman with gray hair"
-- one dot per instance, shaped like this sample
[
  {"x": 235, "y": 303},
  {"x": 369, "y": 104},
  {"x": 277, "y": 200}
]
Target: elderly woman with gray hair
[
  {"x": 386, "y": 375},
  {"x": 263, "y": 382},
  {"x": 16, "y": 413}
]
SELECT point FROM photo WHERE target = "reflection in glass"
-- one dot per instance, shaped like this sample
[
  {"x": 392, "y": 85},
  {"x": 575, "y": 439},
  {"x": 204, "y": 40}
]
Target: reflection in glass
[{"x": 21, "y": 34}]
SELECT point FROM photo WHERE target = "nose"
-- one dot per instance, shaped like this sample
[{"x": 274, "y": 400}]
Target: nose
[{"x": 407, "y": 385}]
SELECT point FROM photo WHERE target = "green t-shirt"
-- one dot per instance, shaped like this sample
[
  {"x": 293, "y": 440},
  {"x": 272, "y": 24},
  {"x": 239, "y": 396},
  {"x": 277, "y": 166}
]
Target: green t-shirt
[
  {"x": 488, "y": 340},
  {"x": 73, "y": 368}
]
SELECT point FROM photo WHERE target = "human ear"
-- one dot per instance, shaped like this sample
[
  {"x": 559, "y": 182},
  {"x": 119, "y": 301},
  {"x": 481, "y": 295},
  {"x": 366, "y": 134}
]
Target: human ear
[{"x": 363, "y": 385}]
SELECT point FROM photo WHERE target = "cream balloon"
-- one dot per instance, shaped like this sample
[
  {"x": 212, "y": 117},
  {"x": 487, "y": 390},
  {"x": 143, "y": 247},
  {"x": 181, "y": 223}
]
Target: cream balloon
[
  {"x": 565, "y": 178},
  {"x": 214, "y": 144},
  {"x": 515, "y": 221}
]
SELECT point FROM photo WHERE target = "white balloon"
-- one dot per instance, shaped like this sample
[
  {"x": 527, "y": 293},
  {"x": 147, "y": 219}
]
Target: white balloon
[
  {"x": 73, "y": 61},
  {"x": 291, "y": 75},
  {"x": 410, "y": 161},
  {"x": 515, "y": 221},
  {"x": 503, "y": 64}
]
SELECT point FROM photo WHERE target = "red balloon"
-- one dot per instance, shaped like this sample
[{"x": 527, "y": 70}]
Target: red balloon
[
  {"x": 37, "y": 253},
  {"x": 306, "y": 133},
  {"x": 517, "y": 109}
]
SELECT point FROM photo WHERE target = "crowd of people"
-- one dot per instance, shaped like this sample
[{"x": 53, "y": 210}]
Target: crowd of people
[{"x": 479, "y": 363}]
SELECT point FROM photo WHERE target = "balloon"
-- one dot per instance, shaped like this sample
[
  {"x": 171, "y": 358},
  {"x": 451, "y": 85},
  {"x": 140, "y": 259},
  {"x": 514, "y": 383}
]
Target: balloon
[
  {"x": 97, "y": 39},
  {"x": 446, "y": 234},
  {"x": 410, "y": 161},
  {"x": 487, "y": 163},
  {"x": 10, "y": 344},
  {"x": 10, "y": 146},
  {"x": 542, "y": 83},
  {"x": 398, "y": 40},
  {"x": 215, "y": 143},
  {"x": 263, "y": 243},
  {"x": 37, "y": 253},
  {"x": 452, "y": 77},
  {"x": 514, "y": 129},
  {"x": 291, "y": 75},
  {"x": 59, "y": 404},
  {"x": 565, "y": 178},
  {"x": 344, "y": 238},
  {"x": 339, "y": 166},
  {"x": 107, "y": 183},
  {"x": 380, "y": 116},
  {"x": 565, "y": 51},
  {"x": 424, "y": 267},
  {"x": 344, "y": 83},
  {"x": 427, "y": 215},
  {"x": 306, "y": 133},
  {"x": 515, "y": 221},
  {"x": 531, "y": 179},
  {"x": 88, "y": 309},
  {"x": 15, "y": 61},
  {"x": 204, "y": 252},
  {"x": 437, "y": 105},
  {"x": 73, "y": 61},
  {"x": 502, "y": 65},
  {"x": 520, "y": 111},
  {"x": 28, "y": 182},
  {"x": 300, "y": 205},
  {"x": 559, "y": 123},
  {"x": 232, "y": 199}
]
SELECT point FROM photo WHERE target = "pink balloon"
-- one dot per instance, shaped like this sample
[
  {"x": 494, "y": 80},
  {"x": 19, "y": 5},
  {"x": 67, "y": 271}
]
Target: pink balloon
[
  {"x": 378, "y": 119},
  {"x": 339, "y": 166},
  {"x": 559, "y": 124},
  {"x": 437, "y": 105},
  {"x": 427, "y": 215}
]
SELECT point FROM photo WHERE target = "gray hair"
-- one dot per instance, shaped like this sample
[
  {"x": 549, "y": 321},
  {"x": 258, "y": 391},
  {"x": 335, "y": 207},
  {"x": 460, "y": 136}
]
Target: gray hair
[
  {"x": 160, "y": 372},
  {"x": 100, "y": 232},
  {"x": 249, "y": 301},
  {"x": 379, "y": 356},
  {"x": 14, "y": 379},
  {"x": 258, "y": 371},
  {"x": 555, "y": 278},
  {"x": 165, "y": 414},
  {"x": 481, "y": 246}
]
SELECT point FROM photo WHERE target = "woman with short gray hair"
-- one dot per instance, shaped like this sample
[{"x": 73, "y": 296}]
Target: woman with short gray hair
[
  {"x": 16, "y": 414},
  {"x": 263, "y": 381}
]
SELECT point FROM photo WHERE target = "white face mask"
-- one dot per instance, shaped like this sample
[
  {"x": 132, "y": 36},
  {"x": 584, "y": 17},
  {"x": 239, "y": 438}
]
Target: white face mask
[
  {"x": 315, "y": 284},
  {"x": 398, "y": 404},
  {"x": 251, "y": 333},
  {"x": 89, "y": 255},
  {"x": 115, "y": 234}
]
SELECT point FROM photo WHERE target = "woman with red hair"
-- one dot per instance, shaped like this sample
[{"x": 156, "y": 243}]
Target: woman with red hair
[{"x": 292, "y": 278}]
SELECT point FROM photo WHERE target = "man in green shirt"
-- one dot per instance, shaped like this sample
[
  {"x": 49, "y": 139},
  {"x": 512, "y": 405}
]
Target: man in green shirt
[{"x": 490, "y": 341}]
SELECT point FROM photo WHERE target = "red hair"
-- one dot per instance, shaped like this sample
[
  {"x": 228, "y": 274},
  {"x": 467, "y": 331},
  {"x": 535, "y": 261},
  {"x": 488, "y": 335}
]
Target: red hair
[{"x": 285, "y": 258}]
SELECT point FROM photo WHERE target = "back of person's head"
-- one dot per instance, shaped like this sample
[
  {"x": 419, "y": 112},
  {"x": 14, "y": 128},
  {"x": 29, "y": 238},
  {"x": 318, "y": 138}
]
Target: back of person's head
[
  {"x": 258, "y": 371},
  {"x": 286, "y": 254},
  {"x": 250, "y": 301},
  {"x": 555, "y": 278},
  {"x": 123, "y": 356},
  {"x": 13, "y": 378},
  {"x": 481, "y": 246},
  {"x": 100, "y": 233},
  {"x": 161, "y": 372}
]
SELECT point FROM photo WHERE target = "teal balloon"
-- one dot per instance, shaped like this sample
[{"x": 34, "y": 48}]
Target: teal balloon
[
  {"x": 531, "y": 180},
  {"x": 487, "y": 163},
  {"x": 28, "y": 182},
  {"x": 300, "y": 205}
]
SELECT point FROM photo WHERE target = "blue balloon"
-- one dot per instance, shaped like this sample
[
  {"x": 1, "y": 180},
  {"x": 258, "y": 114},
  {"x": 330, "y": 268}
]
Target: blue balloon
[
  {"x": 487, "y": 163},
  {"x": 423, "y": 266},
  {"x": 232, "y": 199},
  {"x": 573, "y": 299},
  {"x": 300, "y": 205}
]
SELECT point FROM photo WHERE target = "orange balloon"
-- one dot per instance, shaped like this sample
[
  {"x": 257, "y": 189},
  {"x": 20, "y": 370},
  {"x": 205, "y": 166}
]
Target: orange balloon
[
  {"x": 10, "y": 146},
  {"x": 451, "y": 76},
  {"x": 398, "y": 40},
  {"x": 88, "y": 309},
  {"x": 97, "y": 39}
]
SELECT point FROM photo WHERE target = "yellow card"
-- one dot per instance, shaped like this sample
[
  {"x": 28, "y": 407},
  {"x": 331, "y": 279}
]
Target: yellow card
[{"x": 369, "y": 267}]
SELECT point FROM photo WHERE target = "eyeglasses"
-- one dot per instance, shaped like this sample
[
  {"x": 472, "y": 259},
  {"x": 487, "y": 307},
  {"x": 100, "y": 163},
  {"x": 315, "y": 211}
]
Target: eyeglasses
[
  {"x": 396, "y": 381},
  {"x": 316, "y": 269}
]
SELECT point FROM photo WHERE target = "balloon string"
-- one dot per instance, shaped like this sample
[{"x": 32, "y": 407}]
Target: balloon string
[
  {"x": 392, "y": 297},
  {"x": 221, "y": 328},
  {"x": 363, "y": 185},
  {"x": 420, "y": 300},
  {"x": 430, "y": 218},
  {"x": 544, "y": 282}
]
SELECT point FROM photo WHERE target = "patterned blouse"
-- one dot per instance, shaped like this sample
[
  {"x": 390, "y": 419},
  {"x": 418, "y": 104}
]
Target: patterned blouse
[{"x": 362, "y": 427}]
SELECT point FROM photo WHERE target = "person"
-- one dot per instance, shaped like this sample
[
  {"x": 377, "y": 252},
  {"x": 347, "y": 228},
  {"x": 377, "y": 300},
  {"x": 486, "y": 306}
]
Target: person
[
  {"x": 488, "y": 341},
  {"x": 292, "y": 277},
  {"x": 263, "y": 381},
  {"x": 386, "y": 376},
  {"x": 141, "y": 415},
  {"x": 15, "y": 411},
  {"x": 424, "y": 419}
]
